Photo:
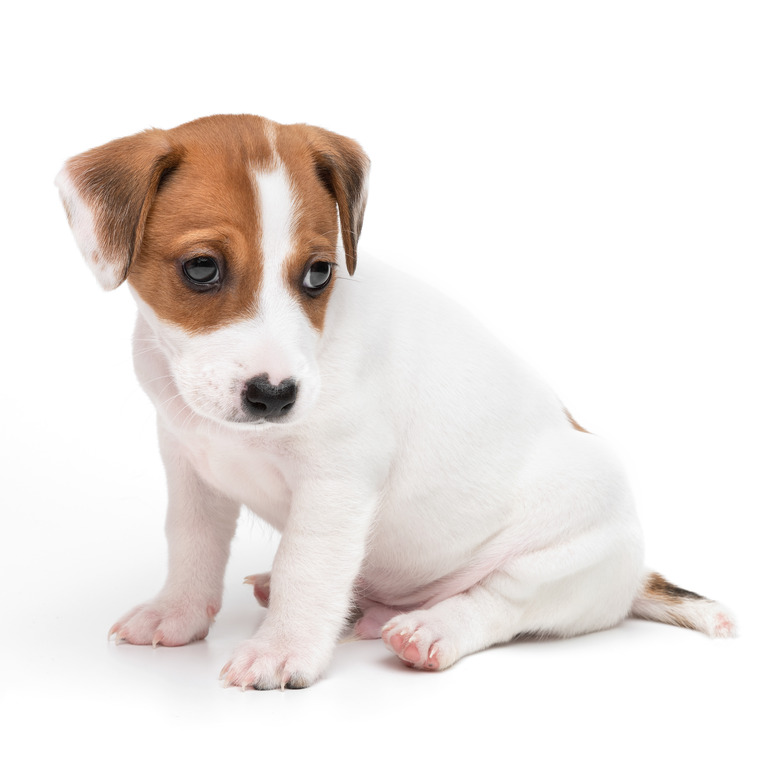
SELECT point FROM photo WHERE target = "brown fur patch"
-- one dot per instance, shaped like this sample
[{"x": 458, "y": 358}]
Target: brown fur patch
[
  {"x": 325, "y": 170},
  {"x": 342, "y": 166},
  {"x": 657, "y": 588},
  {"x": 117, "y": 183},
  {"x": 213, "y": 191},
  {"x": 207, "y": 205},
  {"x": 574, "y": 422},
  {"x": 161, "y": 197}
]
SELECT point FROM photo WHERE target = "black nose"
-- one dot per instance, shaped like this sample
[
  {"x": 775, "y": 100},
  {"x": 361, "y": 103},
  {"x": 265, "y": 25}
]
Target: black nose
[{"x": 269, "y": 401}]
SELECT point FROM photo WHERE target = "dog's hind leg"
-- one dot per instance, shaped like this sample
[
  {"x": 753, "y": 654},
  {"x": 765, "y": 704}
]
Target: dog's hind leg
[
  {"x": 571, "y": 563},
  {"x": 433, "y": 639},
  {"x": 507, "y": 605},
  {"x": 373, "y": 617}
]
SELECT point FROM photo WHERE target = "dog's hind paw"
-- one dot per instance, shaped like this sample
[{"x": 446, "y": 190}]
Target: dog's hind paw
[
  {"x": 261, "y": 584},
  {"x": 418, "y": 643}
]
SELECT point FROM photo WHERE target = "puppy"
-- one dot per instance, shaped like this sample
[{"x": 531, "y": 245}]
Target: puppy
[{"x": 420, "y": 476}]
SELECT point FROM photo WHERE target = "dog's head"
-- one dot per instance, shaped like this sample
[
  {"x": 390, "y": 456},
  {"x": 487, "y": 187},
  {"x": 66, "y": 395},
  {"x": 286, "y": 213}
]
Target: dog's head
[{"x": 230, "y": 231}]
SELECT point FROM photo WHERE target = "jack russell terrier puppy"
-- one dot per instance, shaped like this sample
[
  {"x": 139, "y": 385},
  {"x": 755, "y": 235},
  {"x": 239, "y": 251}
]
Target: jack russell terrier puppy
[{"x": 421, "y": 477}]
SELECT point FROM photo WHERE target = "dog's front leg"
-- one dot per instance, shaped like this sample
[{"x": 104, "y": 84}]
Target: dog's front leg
[
  {"x": 312, "y": 578},
  {"x": 199, "y": 527}
]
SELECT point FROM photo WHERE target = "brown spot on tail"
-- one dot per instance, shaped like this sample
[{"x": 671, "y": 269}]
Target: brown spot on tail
[
  {"x": 658, "y": 588},
  {"x": 660, "y": 601}
]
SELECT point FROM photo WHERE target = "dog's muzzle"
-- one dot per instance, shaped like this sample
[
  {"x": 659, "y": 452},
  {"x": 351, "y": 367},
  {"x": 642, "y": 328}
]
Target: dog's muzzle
[{"x": 263, "y": 400}]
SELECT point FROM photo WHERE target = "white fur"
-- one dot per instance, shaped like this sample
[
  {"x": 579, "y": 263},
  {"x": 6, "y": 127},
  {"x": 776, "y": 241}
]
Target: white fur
[
  {"x": 107, "y": 270},
  {"x": 424, "y": 471},
  {"x": 431, "y": 464},
  {"x": 278, "y": 220}
]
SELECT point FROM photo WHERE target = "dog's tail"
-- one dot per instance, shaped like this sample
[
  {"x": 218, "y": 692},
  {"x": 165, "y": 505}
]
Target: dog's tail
[{"x": 661, "y": 601}]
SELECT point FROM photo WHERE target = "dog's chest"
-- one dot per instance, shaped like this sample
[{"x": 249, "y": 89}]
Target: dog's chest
[{"x": 244, "y": 472}]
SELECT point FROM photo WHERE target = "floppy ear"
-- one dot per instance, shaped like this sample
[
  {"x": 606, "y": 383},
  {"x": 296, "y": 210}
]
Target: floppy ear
[
  {"x": 342, "y": 166},
  {"x": 107, "y": 193}
]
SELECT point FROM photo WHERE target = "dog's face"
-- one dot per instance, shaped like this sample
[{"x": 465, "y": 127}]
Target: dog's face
[{"x": 231, "y": 231}]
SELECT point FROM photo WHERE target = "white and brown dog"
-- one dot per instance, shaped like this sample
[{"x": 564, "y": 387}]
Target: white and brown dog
[{"x": 417, "y": 472}]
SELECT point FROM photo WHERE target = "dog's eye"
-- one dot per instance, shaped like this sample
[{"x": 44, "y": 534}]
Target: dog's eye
[
  {"x": 317, "y": 277},
  {"x": 202, "y": 270}
]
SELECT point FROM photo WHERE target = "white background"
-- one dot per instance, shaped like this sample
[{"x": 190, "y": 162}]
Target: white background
[{"x": 598, "y": 181}]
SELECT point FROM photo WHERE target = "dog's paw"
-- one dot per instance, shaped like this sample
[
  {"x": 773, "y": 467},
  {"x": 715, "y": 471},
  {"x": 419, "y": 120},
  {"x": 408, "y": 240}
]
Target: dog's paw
[
  {"x": 165, "y": 622},
  {"x": 261, "y": 585},
  {"x": 419, "y": 642},
  {"x": 268, "y": 663}
]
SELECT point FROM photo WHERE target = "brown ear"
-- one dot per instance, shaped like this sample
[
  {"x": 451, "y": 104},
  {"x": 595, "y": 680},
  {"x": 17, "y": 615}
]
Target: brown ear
[
  {"x": 107, "y": 193},
  {"x": 342, "y": 166}
]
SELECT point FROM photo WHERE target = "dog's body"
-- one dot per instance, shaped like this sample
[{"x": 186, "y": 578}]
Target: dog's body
[{"x": 415, "y": 469}]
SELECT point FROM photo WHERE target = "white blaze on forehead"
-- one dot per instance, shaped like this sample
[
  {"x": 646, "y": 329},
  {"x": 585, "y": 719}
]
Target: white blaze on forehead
[
  {"x": 278, "y": 217},
  {"x": 283, "y": 339},
  {"x": 210, "y": 369}
]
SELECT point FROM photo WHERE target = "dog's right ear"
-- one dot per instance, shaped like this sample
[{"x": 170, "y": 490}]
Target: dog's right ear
[
  {"x": 342, "y": 166},
  {"x": 107, "y": 193}
]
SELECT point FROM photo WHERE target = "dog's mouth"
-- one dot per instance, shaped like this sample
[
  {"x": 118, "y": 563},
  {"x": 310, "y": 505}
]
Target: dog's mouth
[
  {"x": 272, "y": 422},
  {"x": 241, "y": 421},
  {"x": 241, "y": 415}
]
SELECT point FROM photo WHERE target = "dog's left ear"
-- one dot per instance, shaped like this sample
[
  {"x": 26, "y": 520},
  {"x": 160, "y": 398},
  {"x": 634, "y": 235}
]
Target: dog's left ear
[
  {"x": 107, "y": 193},
  {"x": 343, "y": 166}
]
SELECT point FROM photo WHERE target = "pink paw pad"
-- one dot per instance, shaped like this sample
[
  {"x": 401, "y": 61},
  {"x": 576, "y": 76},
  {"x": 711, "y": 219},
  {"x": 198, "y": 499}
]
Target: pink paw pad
[
  {"x": 415, "y": 649},
  {"x": 406, "y": 649}
]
